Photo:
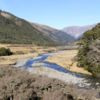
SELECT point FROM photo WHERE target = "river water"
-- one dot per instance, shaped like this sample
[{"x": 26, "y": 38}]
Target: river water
[{"x": 39, "y": 65}]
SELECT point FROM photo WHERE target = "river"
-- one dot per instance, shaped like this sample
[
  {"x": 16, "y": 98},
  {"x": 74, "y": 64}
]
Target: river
[{"x": 38, "y": 65}]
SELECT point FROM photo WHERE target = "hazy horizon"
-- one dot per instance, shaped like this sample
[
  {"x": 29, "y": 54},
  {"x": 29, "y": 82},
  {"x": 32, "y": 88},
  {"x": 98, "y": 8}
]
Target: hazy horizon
[{"x": 55, "y": 13}]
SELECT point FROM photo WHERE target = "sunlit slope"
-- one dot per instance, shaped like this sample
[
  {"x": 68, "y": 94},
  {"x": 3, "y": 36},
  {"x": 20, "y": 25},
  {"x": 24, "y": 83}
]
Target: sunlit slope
[{"x": 15, "y": 30}]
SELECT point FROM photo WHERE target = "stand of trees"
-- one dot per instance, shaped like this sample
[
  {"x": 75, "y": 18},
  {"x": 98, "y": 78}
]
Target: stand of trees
[{"x": 89, "y": 52}]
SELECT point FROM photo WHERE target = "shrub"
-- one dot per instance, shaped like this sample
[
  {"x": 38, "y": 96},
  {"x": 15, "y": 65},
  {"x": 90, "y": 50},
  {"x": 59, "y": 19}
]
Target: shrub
[
  {"x": 89, "y": 52},
  {"x": 4, "y": 52}
]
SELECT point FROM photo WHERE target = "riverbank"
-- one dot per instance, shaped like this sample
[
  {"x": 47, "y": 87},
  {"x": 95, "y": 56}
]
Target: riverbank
[
  {"x": 66, "y": 60},
  {"x": 38, "y": 65},
  {"x": 23, "y": 52}
]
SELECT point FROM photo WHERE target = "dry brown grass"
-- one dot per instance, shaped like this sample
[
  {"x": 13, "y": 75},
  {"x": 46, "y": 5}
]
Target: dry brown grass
[
  {"x": 23, "y": 51},
  {"x": 65, "y": 60}
]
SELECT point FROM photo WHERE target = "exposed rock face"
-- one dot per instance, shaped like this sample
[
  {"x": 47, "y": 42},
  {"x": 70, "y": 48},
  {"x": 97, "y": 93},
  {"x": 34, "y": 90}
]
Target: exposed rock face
[{"x": 20, "y": 85}]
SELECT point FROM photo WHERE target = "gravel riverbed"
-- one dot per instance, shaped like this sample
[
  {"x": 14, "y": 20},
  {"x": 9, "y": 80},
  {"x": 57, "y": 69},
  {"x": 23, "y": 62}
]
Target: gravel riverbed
[{"x": 38, "y": 65}]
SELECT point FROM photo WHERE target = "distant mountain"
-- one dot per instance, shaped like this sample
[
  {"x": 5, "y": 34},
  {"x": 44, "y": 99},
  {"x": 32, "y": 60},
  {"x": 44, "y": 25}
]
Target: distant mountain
[
  {"x": 77, "y": 31},
  {"x": 54, "y": 34},
  {"x": 16, "y": 30}
]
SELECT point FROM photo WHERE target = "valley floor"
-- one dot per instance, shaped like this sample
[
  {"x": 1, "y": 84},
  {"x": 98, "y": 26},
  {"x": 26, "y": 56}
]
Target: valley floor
[
  {"x": 22, "y": 52},
  {"x": 66, "y": 60},
  {"x": 27, "y": 86}
]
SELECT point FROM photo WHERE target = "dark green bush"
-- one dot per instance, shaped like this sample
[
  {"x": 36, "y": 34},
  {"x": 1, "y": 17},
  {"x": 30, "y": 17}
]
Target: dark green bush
[
  {"x": 4, "y": 52},
  {"x": 89, "y": 51}
]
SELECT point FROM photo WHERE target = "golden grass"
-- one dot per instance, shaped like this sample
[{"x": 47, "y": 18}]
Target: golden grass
[
  {"x": 27, "y": 50},
  {"x": 65, "y": 60}
]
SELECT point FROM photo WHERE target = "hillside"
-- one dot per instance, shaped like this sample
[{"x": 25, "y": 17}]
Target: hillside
[
  {"x": 54, "y": 34},
  {"x": 77, "y": 31},
  {"x": 89, "y": 51},
  {"x": 18, "y": 31}
]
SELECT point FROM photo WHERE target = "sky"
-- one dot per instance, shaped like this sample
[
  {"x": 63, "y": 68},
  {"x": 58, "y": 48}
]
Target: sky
[{"x": 55, "y": 13}]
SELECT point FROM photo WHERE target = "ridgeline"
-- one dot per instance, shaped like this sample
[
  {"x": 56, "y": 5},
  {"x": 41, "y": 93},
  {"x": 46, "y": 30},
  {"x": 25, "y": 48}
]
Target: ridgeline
[{"x": 15, "y": 30}]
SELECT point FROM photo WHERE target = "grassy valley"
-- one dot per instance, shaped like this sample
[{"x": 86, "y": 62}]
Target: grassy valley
[{"x": 60, "y": 66}]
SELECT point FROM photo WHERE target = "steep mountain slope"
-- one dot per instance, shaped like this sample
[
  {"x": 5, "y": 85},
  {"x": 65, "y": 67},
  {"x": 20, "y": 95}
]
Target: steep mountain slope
[
  {"x": 54, "y": 34},
  {"x": 77, "y": 31},
  {"x": 17, "y": 30},
  {"x": 89, "y": 52}
]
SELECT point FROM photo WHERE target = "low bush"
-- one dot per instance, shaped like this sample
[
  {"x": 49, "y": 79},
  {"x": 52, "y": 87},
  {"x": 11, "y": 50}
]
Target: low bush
[
  {"x": 89, "y": 52},
  {"x": 4, "y": 51}
]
